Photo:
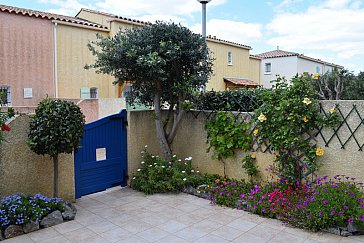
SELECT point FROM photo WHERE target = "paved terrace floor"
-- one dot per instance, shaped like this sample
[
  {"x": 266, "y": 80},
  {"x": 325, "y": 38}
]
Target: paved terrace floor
[{"x": 124, "y": 215}]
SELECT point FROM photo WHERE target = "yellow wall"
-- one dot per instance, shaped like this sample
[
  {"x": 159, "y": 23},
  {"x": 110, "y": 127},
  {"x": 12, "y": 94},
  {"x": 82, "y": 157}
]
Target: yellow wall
[
  {"x": 115, "y": 26},
  {"x": 239, "y": 68},
  {"x": 254, "y": 73},
  {"x": 72, "y": 56}
]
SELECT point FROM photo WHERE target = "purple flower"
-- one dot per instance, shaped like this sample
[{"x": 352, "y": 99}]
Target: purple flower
[
  {"x": 362, "y": 205},
  {"x": 324, "y": 202},
  {"x": 346, "y": 191},
  {"x": 345, "y": 207},
  {"x": 263, "y": 210},
  {"x": 353, "y": 178},
  {"x": 361, "y": 218},
  {"x": 360, "y": 199},
  {"x": 333, "y": 213},
  {"x": 321, "y": 213},
  {"x": 350, "y": 220},
  {"x": 352, "y": 194},
  {"x": 341, "y": 212},
  {"x": 242, "y": 195}
]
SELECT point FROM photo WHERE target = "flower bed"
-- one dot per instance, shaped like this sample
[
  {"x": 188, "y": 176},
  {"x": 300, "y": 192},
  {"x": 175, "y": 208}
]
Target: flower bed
[
  {"x": 334, "y": 204},
  {"x": 157, "y": 175},
  {"x": 21, "y": 214}
]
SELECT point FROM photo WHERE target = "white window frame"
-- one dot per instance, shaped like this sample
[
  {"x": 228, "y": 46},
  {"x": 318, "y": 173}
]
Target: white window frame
[
  {"x": 266, "y": 69},
  {"x": 8, "y": 94},
  {"x": 230, "y": 58}
]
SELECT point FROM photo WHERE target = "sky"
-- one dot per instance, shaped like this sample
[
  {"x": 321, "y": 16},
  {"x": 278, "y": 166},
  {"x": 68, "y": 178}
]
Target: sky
[{"x": 331, "y": 30}]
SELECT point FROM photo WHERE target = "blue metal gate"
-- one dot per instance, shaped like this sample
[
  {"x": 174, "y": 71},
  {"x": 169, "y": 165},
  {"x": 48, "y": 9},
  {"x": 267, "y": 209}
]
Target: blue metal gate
[{"x": 101, "y": 161}]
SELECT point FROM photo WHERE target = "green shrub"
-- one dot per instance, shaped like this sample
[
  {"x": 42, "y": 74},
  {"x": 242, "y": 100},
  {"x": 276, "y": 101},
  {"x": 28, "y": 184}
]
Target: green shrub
[
  {"x": 289, "y": 112},
  {"x": 158, "y": 175},
  {"x": 57, "y": 127},
  {"x": 244, "y": 100}
]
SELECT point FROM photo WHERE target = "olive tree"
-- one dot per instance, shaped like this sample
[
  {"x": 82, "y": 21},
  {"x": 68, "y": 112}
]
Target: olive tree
[
  {"x": 56, "y": 128},
  {"x": 164, "y": 61}
]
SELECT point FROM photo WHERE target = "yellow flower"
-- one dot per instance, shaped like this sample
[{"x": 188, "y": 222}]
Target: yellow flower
[
  {"x": 320, "y": 151},
  {"x": 253, "y": 156},
  {"x": 316, "y": 76},
  {"x": 262, "y": 117},
  {"x": 307, "y": 101},
  {"x": 305, "y": 119},
  {"x": 255, "y": 132},
  {"x": 332, "y": 110}
]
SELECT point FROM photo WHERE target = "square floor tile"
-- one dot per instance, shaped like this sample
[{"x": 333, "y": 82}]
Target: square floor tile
[{"x": 153, "y": 234}]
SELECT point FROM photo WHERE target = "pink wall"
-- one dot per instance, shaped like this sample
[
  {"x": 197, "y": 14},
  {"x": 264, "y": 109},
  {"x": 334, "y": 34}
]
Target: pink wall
[{"x": 26, "y": 57}]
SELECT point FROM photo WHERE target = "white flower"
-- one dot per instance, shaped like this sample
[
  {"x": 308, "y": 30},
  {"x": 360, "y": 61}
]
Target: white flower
[
  {"x": 163, "y": 166},
  {"x": 134, "y": 178},
  {"x": 174, "y": 156},
  {"x": 170, "y": 163},
  {"x": 153, "y": 156},
  {"x": 150, "y": 165},
  {"x": 139, "y": 170},
  {"x": 307, "y": 101},
  {"x": 183, "y": 171},
  {"x": 142, "y": 162},
  {"x": 189, "y": 158},
  {"x": 179, "y": 160},
  {"x": 198, "y": 171},
  {"x": 157, "y": 156},
  {"x": 146, "y": 146},
  {"x": 262, "y": 117},
  {"x": 169, "y": 166},
  {"x": 154, "y": 163},
  {"x": 185, "y": 179},
  {"x": 192, "y": 171},
  {"x": 142, "y": 152}
]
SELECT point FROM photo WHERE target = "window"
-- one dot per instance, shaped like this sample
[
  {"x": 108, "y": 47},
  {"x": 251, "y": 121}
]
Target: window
[
  {"x": 230, "y": 58},
  {"x": 5, "y": 97},
  {"x": 89, "y": 93},
  {"x": 128, "y": 88},
  {"x": 93, "y": 93},
  {"x": 268, "y": 67}
]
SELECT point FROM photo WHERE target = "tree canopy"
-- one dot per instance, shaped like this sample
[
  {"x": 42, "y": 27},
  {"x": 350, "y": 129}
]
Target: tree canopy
[{"x": 164, "y": 61}]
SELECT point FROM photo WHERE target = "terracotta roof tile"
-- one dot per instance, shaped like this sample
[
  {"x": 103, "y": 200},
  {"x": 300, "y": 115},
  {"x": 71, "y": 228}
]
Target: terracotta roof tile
[
  {"x": 114, "y": 16},
  {"x": 280, "y": 53},
  {"x": 50, "y": 16},
  {"x": 277, "y": 53},
  {"x": 139, "y": 22},
  {"x": 242, "y": 82},
  {"x": 213, "y": 38}
]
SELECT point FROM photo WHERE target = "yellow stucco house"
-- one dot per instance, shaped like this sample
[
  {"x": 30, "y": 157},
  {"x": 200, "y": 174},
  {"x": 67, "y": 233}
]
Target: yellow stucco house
[{"x": 45, "y": 54}]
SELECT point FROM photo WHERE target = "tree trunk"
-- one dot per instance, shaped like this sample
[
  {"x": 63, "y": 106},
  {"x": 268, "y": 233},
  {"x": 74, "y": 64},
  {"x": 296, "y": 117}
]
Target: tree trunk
[
  {"x": 167, "y": 153},
  {"x": 55, "y": 177}
]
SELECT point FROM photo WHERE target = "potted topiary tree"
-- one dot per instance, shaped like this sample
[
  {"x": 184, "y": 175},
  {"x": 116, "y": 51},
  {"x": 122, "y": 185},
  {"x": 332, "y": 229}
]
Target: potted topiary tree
[{"x": 57, "y": 127}]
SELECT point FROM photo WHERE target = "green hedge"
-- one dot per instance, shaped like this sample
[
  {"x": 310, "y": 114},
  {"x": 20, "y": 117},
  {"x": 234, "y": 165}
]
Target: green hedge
[{"x": 244, "y": 100}]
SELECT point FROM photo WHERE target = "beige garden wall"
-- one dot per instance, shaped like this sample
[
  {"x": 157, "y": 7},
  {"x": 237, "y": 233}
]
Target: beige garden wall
[
  {"x": 191, "y": 140},
  {"x": 21, "y": 170}
]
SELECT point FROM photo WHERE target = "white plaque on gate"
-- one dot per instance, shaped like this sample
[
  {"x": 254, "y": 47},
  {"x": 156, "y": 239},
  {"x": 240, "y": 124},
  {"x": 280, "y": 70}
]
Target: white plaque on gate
[{"x": 100, "y": 154}]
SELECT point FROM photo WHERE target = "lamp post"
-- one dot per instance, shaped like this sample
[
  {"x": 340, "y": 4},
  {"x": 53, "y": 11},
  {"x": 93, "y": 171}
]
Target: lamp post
[{"x": 204, "y": 2}]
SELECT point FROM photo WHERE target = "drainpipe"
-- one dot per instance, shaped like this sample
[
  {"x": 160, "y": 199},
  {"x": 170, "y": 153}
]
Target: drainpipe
[{"x": 55, "y": 64}]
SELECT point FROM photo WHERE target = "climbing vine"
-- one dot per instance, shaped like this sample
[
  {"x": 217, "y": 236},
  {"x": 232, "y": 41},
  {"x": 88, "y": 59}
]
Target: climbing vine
[
  {"x": 289, "y": 114},
  {"x": 226, "y": 134}
]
